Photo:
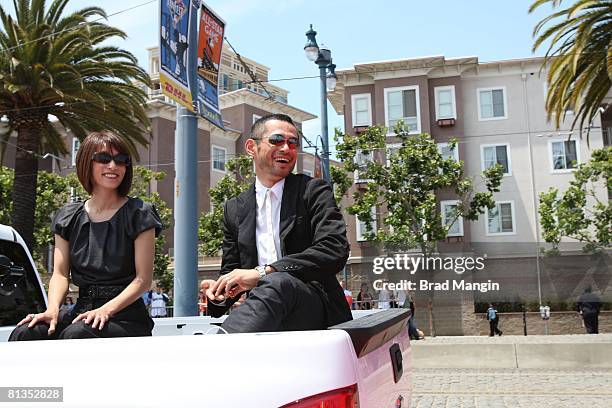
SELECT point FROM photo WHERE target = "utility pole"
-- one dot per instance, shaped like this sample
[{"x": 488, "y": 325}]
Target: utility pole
[{"x": 186, "y": 191}]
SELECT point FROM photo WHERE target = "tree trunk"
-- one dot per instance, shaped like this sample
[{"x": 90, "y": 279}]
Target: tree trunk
[{"x": 24, "y": 184}]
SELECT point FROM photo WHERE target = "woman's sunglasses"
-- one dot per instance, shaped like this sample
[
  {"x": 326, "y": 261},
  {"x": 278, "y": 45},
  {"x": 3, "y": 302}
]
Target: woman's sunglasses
[
  {"x": 120, "y": 159},
  {"x": 279, "y": 140}
]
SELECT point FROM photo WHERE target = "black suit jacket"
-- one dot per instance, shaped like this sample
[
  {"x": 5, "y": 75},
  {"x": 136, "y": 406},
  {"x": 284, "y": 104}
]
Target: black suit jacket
[{"x": 313, "y": 241}]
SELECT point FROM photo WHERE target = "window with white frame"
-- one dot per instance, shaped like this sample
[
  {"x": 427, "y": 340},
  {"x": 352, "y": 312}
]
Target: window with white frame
[
  {"x": 496, "y": 154},
  {"x": 256, "y": 118},
  {"x": 403, "y": 104},
  {"x": 445, "y": 102},
  {"x": 76, "y": 143},
  {"x": 447, "y": 153},
  {"x": 361, "y": 108},
  {"x": 448, "y": 214},
  {"x": 500, "y": 219},
  {"x": 361, "y": 160},
  {"x": 362, "y": 227},
  {"x": 492, "y": 103},
  {"x": 564, "y": 154},
  {"x": 218, "y": 161}
]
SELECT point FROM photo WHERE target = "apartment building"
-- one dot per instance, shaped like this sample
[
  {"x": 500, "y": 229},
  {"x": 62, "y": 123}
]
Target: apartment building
[{"x": 496, "y": 112}]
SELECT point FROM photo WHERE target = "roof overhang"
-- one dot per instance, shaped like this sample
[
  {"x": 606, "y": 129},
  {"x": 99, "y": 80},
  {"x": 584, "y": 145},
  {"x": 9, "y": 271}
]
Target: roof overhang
[{"x": 248, "y": 97}]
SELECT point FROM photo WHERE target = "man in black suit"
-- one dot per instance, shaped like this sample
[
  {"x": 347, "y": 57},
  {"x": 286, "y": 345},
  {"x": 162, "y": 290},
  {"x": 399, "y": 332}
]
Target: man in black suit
[{"x": 284, "y": 242}]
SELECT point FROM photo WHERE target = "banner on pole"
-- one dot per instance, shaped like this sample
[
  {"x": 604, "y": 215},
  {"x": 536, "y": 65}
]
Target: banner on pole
[
  {"x": 174, "y": 34},
  {"x": 210, "y": 43}
]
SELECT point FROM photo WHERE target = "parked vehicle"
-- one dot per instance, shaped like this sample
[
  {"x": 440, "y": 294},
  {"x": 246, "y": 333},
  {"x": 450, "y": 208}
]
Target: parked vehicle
[
  {"x": 21, "y": 290},
  {"x": 362, "y": 363}
]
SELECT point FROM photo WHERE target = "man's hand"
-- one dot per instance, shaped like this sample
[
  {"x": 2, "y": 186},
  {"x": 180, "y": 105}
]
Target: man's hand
[
  {"x": 206, "y": 286},
  {"x": 235, "y": 282}
]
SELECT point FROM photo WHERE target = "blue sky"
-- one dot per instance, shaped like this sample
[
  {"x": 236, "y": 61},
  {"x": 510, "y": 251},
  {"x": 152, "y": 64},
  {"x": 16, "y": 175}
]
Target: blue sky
[{"x": 272, "y": 33}]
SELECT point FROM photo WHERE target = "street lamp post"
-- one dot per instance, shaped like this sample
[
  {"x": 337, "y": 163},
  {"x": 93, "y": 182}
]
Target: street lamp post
[
  {"x": 327, "y": 73},
  {"x": 322, "y": 57}
]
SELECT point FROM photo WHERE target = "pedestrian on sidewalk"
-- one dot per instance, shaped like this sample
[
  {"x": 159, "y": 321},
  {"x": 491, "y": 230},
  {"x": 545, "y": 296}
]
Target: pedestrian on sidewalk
[
  {"x": 589, "y": 305},
  {"x": 493, "y": 319}
]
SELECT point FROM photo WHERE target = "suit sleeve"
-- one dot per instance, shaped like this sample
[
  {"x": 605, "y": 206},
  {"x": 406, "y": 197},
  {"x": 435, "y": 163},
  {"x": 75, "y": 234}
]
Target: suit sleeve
[
  {"x": 231, "y": 255},
  {"x": 329, "y": 248}
]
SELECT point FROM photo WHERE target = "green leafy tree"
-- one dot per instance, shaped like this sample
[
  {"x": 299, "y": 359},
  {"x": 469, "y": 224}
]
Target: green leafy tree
[
  {"x": 407, "y": 185},
  {"x": 141, "y": 187},
  {"x": 57, "y": 72},
  {"x": 406, "y": 182},
  {"x": 579, "y": 213},
  {"x": 232, "y": 184},
  {"x": 580, "y": 57},
  {"x": 52, "y": 192}
]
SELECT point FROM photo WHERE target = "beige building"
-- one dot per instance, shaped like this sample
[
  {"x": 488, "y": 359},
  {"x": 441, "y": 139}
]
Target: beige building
[{"x": 496, "y": 111}]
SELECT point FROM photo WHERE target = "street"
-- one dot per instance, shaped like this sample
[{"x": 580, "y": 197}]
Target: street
[{"x": 525, "y": 388}]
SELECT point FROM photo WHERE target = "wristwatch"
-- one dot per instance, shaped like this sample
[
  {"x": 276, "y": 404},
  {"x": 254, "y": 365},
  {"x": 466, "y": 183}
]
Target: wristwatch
[{"x": 261, "y": 270}]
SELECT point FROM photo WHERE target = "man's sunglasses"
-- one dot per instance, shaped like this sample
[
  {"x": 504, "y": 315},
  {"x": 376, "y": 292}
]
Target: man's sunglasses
[
  {"x": 279, "y": 140},
  {"x": 120, "y": 159}
]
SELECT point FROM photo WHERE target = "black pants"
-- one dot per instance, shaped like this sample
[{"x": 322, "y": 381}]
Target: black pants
[
  {"x": 591, "y": 323},
  {"x": 493, "y": 327},
  {"x": 279, "y": 302},
  {"x": 126, "y": 323}
]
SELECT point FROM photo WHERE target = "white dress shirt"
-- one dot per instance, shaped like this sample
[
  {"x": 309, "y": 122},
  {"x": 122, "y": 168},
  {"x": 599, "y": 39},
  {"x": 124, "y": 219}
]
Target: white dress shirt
[{"x": 268, "y": 221}]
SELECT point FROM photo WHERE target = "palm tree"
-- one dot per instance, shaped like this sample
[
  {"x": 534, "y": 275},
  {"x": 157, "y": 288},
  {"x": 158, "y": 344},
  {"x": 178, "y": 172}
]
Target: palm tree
[
  {"x": 54, "y": 74},
  {"x": 580, "y": 58}
]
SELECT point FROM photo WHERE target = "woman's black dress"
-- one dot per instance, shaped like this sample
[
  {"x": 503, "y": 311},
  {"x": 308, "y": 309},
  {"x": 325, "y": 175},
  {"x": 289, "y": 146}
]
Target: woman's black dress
[{"x": 102, "y": 264}]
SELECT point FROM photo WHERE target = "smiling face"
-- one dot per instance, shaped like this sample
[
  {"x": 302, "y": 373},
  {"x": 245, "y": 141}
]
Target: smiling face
[
  {"x": 109, "y": 175},
  {"x": 273, "y": 163}
]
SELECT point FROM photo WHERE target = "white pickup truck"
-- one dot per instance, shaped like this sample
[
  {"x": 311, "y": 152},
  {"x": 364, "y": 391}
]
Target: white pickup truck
[{"x": 362, "y": 363}]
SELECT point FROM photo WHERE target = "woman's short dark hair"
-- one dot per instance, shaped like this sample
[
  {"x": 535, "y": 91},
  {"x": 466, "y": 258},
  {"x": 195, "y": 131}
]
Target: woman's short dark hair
[{"x": 98, "y": 142}]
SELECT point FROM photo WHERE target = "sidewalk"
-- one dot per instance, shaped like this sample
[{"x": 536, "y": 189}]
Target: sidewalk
[
  {"x": 513, "y": 371},
  {"x": 577, "y": 351}
]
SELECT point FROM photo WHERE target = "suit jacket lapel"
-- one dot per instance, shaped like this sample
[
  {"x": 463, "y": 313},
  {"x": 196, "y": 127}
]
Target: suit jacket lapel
[
  {"x": 247, "y": 213},
  {"x": 288, "y": 209}
]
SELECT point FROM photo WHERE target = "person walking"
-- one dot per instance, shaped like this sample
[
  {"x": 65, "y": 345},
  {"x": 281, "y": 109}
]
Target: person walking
[
  {"x": 589, "y": 305},
  {"x": 493, "y": 319}
]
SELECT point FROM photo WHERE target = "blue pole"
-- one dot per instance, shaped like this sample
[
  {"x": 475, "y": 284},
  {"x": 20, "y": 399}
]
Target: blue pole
[{"x": 186, "y": 192}]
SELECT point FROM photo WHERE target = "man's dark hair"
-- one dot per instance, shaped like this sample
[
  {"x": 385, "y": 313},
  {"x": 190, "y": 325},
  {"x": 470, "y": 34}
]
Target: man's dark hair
[{"x": 260, "y": 124}]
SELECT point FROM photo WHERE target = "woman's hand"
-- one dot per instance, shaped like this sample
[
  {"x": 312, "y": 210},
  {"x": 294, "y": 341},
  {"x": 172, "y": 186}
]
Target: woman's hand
[
  {"x": 98, "y": 318},
  {"x": 49, "y": 316}
]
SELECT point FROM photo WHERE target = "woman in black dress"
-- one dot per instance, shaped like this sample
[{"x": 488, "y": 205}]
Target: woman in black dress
[{"x": 106, "y": 246}]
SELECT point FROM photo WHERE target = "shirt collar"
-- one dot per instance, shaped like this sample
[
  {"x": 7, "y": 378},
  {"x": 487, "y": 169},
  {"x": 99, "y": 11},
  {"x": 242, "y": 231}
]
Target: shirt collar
[{"x": 277, "y": 189}]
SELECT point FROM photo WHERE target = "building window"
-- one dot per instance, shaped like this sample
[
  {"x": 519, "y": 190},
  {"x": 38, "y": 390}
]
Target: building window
[
  {"x": 448, "y": 214},
  {"x": 76, "y": 143},
  {"x": 447, "y": 153},
  {"x": 500, "y": 219},
  {"x": 564, "y": 155},
  {"x": 218, "y": 162},
  {"x": 403, "y": 104},
  {"x": 361, "y": 107},
  {"x": 362, "y": 159},
  {"x": 362, "y": 228},
  {"x": 445, "y": 102},
  {"x": 492, "y": 103},
  {"x": 392, "y": 150},
  {"x": 496, "y": 154}
]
